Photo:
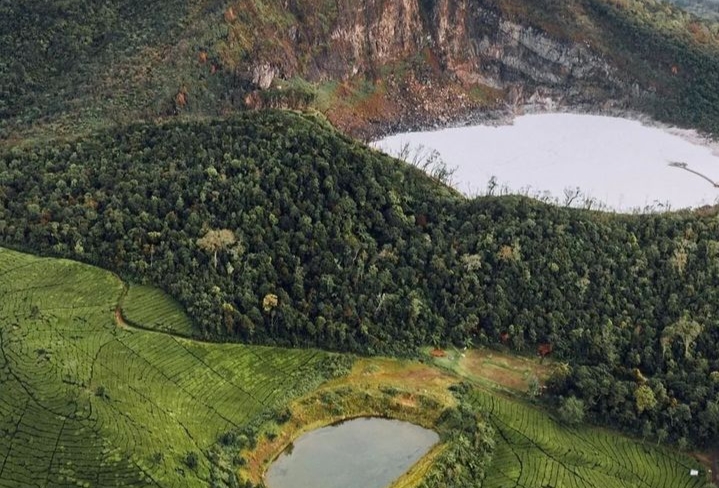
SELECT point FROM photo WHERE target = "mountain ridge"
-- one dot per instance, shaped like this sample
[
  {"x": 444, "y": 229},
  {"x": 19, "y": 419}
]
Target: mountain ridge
[
  {"x": 274, "y": 228},
  {"x": 369, "y": 67}
]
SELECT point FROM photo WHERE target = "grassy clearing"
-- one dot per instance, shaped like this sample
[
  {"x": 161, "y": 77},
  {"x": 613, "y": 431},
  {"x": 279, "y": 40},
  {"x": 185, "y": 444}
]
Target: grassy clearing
[
  {"x": 494, "y": 369},
  {"x": 150, "y": 307},
  {"x": 89, "y": 404}
]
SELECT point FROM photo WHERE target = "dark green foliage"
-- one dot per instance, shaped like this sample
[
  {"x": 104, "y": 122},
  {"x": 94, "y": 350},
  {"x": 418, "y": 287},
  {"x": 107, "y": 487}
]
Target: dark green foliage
[
  {"x": 228, "y": 438},
  {"x": 191, "y": 460},
  {"x": 314, "y": 216},
  {"x": 683, "y": 73},
  {"x": 283, "y": 415},
  {"x": 470, "y": 444},
  {"x": 55, "y": 51},
  {"x": 572, "y": 410},
  {"x": 340, "y": 247}
]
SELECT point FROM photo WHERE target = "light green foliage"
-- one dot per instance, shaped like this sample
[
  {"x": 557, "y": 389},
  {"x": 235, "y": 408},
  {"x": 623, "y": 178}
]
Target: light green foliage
[
  {"x": 149, "y": 307},
  {"x": 532, "y": 450},
  {"x": 217, "y": 239},
  {"x": 572, "y": 410},
  {"x": 534, "y": 388},
  {"x": 685, "y": 329},
  {"x": 645, "y": 398},
  {"x": 85, "y": 402}
]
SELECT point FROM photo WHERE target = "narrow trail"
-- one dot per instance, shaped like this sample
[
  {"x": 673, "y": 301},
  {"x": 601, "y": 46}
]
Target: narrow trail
[
  {"x": 119, "y": 319},
  {"x": 125, "y": 324}
]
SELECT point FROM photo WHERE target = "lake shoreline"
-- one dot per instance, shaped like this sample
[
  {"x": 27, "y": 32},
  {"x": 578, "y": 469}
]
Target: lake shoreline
[
  {"x": 506, "y": 117},
  {"x": 363, "y": 451},
  {"x": 613, "y": 161},
  {"x": 378, "y": 388}
]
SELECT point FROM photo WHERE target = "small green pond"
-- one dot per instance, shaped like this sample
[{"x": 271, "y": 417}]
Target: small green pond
[{"x": 360, "y": 453}]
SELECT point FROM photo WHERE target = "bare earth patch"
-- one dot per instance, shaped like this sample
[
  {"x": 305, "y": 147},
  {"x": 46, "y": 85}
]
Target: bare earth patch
[
  {"x": 495, "y": 368},
  {"x": 710, "y": 459}
]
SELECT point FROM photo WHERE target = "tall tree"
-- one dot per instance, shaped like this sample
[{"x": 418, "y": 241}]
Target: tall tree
[{"x": 215, "y": 241}]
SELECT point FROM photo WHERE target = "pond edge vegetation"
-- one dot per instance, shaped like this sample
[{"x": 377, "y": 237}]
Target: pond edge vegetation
[{"x": 459, "y": 458}]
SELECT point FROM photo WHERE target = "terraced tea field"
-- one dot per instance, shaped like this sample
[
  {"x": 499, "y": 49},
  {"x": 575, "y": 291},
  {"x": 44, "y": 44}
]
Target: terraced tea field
[
  {"x": 85, "y": 403},
  {"x": 534, "y": 451},
  {"x": 151, "y": 308}
]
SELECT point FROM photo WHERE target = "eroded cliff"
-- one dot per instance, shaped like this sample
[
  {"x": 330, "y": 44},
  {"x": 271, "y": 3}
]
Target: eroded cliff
[
  {"x": 368, "y": 65},
  {"x": 377, "y": 62}
]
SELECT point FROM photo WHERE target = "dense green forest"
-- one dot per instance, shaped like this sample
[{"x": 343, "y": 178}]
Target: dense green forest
[
  {"x": 73, "y": 56},
  {"x": 672, "y": 53},
  {"x": 272, "y": 228}
]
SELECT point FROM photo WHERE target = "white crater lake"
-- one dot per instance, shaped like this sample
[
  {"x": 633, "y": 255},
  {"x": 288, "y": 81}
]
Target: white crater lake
[{"x": 619, "y": 162}]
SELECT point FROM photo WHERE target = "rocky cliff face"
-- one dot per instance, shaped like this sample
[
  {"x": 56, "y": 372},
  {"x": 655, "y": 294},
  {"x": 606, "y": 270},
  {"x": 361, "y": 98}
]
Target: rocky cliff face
[
  {"x": 369, "y": 65},
  {"x": 428, "y": 60}
]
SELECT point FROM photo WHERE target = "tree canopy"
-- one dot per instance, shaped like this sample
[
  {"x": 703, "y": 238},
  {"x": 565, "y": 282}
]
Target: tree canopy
[{"x": 272, "y": 228}]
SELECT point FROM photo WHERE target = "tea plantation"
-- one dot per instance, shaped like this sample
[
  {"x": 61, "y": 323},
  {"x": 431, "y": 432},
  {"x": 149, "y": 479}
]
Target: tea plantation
[
  {"x": 89, "y": 400},
  {"x": 148, "y": 307},
  {"x": 85, "y": 403},
  {"x": 533, "y": 450}
]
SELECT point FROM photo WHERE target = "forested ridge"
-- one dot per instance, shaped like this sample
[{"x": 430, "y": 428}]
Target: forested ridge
[{"x": 272, "y": 228}]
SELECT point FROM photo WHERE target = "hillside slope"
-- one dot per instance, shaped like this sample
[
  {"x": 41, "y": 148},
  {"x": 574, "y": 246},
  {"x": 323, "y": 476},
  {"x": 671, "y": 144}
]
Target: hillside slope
[
  {"x": 85, "y": 403},
  {"x": 89, "y": 402},
  {"x": 273, "y": 228},
  {"x": 369, "y": 66}
]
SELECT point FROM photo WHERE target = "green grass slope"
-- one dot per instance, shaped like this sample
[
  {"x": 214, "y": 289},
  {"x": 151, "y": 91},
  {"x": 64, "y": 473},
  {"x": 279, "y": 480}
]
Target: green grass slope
[
  {"x": 533, "y": 448},
  {"x": 85, "y": 403}
]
